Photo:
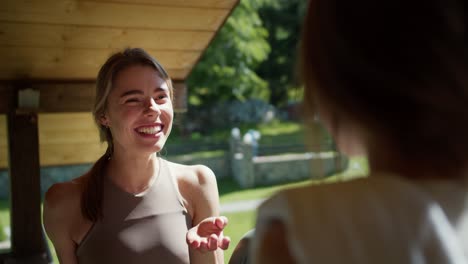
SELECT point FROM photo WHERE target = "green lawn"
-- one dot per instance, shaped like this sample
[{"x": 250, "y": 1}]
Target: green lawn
[
  {"x": 239, "y": 224},
  {"x": 230, "y": 191},
  {"x": 4, "y": 219}
]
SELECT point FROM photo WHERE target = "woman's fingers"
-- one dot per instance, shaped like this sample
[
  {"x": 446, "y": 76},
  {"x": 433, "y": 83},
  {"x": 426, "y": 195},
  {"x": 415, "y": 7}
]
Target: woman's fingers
[
  {"x": 208, "y": 235},
  {"x": 213, "y": 242},
  {"x": 221, "y": 222},
  {"x": 224, "y": 243}
]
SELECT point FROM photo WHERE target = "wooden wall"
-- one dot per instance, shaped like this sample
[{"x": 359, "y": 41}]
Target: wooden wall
[
  {"x": 64, "y": 138},
  {"x": 3, "y": 142}
]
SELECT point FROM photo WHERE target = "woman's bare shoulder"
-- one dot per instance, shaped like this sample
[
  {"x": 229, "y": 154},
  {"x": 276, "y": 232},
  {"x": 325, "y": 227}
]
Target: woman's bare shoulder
[
  {"x": 64, "y": 195},
  {"x": 197, "y": 175},
  {"x": 198, "y": 187}
]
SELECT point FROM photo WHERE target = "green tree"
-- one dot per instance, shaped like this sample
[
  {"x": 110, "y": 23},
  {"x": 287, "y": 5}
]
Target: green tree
[
  {"x": 283, "y": 20},
  {"x": 226, "y": 71}
]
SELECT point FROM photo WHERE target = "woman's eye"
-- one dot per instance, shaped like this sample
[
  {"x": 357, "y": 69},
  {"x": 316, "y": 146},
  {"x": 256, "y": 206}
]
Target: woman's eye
[
  {"x": 160, "y": 97},
  {"x": 132, "y": 100}
]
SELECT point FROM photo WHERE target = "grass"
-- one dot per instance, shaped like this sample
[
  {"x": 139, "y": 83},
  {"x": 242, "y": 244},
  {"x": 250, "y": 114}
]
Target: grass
[
  {"x": 239, "y": 224},
  {"x": 4, "y": 218},
  {"x": 230, "y": 191}
]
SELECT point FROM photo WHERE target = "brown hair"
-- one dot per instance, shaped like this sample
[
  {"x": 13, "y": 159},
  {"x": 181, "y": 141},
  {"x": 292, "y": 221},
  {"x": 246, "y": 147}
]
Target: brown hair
[
  {"x": 398, "y": 69},
  {"x": 91, "y": 205}
]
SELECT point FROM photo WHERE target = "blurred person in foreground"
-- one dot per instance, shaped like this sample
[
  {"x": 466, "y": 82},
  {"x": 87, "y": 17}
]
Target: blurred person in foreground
[
  {"x": 388, "y": 79},
  {"x": 133, "y": 206}
]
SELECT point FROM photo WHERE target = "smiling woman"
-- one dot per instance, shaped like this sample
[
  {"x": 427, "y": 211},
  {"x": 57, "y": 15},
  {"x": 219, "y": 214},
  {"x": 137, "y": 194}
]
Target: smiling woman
[{"x": 144, "y": 208}]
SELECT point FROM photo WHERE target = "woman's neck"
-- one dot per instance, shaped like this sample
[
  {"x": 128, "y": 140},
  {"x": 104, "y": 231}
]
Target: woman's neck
[{"x": 132, "y": 173}]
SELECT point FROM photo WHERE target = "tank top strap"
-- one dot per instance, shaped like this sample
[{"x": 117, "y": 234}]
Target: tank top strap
[{"x": 165, "y": 166}]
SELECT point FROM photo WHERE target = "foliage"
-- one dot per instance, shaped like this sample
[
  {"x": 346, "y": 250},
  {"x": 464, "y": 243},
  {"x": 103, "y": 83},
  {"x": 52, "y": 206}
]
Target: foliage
[
  {"x": 251, "y": 60},
  {"x": 230, "y": 114},
  {"x": 283, "y": 20},
  {"x": 227, "y": 68}
]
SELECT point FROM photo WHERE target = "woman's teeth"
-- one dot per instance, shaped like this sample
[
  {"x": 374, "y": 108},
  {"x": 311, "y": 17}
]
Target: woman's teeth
[{"x": 149, "y": 130}]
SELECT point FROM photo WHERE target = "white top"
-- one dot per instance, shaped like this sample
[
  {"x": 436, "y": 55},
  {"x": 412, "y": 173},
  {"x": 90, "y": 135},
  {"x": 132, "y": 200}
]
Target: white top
[{"x": 379, "y": 219}]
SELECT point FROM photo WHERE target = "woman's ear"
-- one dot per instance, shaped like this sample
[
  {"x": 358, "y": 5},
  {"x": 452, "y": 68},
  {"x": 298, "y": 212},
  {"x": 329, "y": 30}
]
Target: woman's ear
[
  {"x": 348, "y": 136},
  {"x": 104, "y": 120},
  {"x": 350, "y": 140}
]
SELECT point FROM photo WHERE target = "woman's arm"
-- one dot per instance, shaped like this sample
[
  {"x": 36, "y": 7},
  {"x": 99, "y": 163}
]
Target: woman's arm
[
  {"x": 59, "y": 207},
  {"x": 208, "y": 227}
]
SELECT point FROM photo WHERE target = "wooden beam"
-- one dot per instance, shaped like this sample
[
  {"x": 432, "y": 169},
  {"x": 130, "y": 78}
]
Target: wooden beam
[
  {"x": 181, "y": 3},
  {"x": 86, "y": 37},
  {"x": 180, "y": 96},
  {"x": 27, "y": 239},
  {"x": 7, "y": 96},
  {"x": 74, "y": 97},
  {"x": 112, "y": 14},
  {"x": 51, "y": 63},
  {"x": 3, "y": 143}
]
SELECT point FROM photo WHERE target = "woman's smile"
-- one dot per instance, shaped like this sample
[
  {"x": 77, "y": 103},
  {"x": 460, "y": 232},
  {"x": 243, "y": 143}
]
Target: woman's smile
[{"x": 152, "y": 131}]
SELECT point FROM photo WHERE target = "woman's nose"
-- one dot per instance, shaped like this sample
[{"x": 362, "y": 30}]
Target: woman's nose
[{"x": 152, "y": 107}]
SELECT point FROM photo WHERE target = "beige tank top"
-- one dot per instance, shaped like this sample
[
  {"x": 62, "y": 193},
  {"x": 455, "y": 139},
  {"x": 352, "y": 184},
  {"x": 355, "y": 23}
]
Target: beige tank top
[{"x": 150, "y": 228}]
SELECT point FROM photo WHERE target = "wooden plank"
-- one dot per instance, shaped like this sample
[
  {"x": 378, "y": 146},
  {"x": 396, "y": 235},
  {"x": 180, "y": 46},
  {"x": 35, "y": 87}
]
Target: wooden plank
[
  {"x": 180, "y": 96},
  {"x": 51, "y": 63},
  {"x": 85, "y": 37},
  {"x": 112, "y": 14},
  {"x": 182, "y": 3},
  {"x": 59, "y": 154},
  {"x": 3, "y": 142},
  {"x": 27, "y": 240},
  {"x": 66, "y": 97},
  {"x": 66, "y": 122},
  {"x": 64, "y": 129}
]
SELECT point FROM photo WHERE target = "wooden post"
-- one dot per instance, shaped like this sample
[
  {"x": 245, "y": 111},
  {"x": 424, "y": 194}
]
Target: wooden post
[{"x": 27, "y": 237}]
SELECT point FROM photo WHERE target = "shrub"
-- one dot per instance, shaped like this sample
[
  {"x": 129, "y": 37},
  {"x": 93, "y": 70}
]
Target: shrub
[{"x": 229, "y": 114}]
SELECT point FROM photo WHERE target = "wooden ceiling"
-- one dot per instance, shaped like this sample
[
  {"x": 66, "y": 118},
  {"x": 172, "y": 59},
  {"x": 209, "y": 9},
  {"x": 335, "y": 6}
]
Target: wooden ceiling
[{"x": 70, "y": 39}]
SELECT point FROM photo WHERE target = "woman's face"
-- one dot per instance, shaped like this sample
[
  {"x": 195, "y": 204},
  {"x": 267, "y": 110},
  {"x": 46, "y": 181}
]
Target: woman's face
[{"x": 139, "y": 110}]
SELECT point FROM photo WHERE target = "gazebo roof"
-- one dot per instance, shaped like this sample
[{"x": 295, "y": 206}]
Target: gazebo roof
[{"x": 70, "y": 39}]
